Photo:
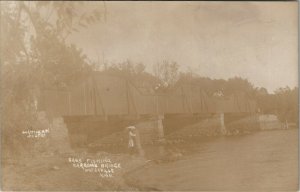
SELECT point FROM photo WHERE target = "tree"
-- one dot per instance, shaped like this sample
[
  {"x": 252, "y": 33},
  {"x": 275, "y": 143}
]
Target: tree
[
  {"x": 238, "y": 84},
  {"x": 128, "y": 68},
  {"x": 134, "y": 72},
  {"x": 167, "y": 72},
  {"x": 35, "y": 55},
  {"x": 287, "y": 104},
  {"x": 283, "y": 103}
]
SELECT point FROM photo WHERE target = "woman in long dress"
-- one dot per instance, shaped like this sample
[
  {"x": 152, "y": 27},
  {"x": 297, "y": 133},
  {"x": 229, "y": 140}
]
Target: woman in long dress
[{"x": 132, "y": 139}]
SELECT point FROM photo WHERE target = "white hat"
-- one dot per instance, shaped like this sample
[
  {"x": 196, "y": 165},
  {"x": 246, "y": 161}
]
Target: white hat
[{"x": 131, "y": 127}]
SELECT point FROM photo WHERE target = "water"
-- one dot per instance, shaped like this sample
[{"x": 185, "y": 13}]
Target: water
[{"x": 266, "y": 160}]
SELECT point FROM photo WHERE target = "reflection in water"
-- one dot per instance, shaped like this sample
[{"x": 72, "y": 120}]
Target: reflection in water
[{"x": 266, "y": 160}]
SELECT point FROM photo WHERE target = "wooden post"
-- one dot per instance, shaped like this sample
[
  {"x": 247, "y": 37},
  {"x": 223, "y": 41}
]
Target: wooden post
[
  {"x": 69, "y": 102},
  {"x": 84, "y": 100},
  {"x": 183, "y": 99},
  {"x": 97, "y": 93},
  {"x": 190, "y": 104},
  {"x": 156, "y": 103},
  {"x": 127, "y": 97},
  {"x": 138, "y": 143},
  {"x": 160, "y": 127},
  {"x": 131, "y": 101},
  {"x": 223, "y": 128}
]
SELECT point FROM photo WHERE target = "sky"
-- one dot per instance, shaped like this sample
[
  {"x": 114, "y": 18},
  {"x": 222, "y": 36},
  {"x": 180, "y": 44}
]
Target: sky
[{"x": 253, "y": 40}]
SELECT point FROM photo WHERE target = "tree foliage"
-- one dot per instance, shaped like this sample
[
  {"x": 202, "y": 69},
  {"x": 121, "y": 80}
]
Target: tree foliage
[
  {"x": 167, "y": 72},
  {"x": 35, "y": 55},
  {"x": 283, "y": 103}
]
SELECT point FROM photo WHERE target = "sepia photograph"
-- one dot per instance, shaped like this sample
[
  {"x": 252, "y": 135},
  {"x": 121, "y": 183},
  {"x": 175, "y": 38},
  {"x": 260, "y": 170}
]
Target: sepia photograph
[{"x": 149, "y": 96}]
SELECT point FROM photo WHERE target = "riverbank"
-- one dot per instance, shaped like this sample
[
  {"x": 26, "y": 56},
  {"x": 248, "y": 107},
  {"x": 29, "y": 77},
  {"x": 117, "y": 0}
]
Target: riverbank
[
  {"x": 216, "y": 156},
  {"x": 55, "y": 172}
]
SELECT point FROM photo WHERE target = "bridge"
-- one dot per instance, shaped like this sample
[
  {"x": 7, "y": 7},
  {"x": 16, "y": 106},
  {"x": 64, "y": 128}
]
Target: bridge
[
  {"x": 102, "y": 105},
  {"x": 111, "y": 95}
]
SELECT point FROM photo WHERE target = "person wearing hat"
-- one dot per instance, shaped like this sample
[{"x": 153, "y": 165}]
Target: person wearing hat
[{"x": 131, "y": 139}]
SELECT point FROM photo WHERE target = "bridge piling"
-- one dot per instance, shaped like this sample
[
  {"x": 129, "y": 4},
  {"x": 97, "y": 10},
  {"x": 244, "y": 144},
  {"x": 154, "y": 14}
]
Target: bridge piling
[
  {"x": 160, "y": 127},
  {"x": 222, "y": 123}
]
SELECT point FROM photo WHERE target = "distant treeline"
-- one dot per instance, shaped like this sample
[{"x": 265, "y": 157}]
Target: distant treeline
[{"x": 283, "y": 102}]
